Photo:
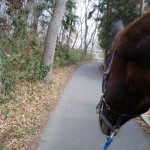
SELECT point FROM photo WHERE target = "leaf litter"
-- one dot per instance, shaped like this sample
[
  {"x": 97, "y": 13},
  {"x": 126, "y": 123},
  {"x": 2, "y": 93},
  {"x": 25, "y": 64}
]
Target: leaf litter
[
  {"x": 145, "y": 126},
  {"x": 22, "y": 119}
]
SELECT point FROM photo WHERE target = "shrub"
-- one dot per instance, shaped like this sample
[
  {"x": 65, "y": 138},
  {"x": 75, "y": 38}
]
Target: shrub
[
  {"x": 20, "y": 59},
  {"x": 65, "y": 56}
]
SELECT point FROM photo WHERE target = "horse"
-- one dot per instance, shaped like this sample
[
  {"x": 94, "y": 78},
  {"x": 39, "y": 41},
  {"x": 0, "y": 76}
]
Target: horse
[{"x": 126, "y": 81}]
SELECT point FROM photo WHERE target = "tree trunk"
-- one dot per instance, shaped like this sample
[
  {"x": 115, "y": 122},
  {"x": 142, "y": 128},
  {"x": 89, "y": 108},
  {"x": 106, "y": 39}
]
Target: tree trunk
[
  {"x": 1, "y": 84},
  {"x": 86, "y": 28},
  {"x": 51, "y": 37},
  {"x": 142, "y": 7},
  {"x": 36, "y": 14}
]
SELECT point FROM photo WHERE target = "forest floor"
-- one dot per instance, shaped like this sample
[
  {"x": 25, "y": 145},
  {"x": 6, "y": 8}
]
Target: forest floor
[{"x": 23, "y": 118}]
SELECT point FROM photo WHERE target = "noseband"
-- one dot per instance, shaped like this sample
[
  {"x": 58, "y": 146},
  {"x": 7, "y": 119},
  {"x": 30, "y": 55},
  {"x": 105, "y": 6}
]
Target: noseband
[
  {"x": 99, "y": 110},
  {"x": 103, "y": 104}
]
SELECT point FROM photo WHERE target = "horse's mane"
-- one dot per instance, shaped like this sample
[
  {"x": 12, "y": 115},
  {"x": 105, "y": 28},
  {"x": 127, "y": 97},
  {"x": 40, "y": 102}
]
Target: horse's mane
[
  {"x": 134, "y": 42},
  {"x": 133, "y": 49}
]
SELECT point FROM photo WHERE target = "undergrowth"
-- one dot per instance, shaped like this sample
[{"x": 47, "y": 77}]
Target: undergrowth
[
  {"x": 66, "y": 56},
  {"x": 21, "y": 59}
]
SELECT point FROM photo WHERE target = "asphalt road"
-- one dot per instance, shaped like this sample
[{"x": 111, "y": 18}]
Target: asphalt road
[{"x": 74, "y": 123}]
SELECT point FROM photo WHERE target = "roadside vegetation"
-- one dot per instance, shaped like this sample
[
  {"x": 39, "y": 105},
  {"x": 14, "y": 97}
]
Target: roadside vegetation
[
  {"x": 21, "y": 60},
  {"x": 25, "y": 100}
]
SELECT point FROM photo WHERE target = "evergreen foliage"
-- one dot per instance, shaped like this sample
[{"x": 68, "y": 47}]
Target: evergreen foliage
[
  {"x": 70, "y": 18},
  {"x": 112, "y": 11}
]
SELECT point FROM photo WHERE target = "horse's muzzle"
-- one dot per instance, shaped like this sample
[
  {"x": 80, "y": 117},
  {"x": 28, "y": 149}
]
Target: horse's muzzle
[{"x": 105, "y": 129}]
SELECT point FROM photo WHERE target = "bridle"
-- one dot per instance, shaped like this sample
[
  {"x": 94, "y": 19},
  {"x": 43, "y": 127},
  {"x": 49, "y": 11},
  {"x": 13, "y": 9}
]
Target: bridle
[
  {"x": 103, "y": 104},
  {"x": 121, "y": 116}
]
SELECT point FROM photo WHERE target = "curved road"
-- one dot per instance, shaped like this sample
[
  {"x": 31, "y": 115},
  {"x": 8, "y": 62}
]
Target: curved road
[{"x": 74, "y": 123}]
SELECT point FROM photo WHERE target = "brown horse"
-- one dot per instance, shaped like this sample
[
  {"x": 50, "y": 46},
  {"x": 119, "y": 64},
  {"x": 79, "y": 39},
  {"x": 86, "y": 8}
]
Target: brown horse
[{"x": 127, "y": 82}]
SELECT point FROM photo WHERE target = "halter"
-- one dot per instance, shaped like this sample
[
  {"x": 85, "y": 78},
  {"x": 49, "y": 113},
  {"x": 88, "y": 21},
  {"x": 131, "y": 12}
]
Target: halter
[{"x": 103, "y": 103}]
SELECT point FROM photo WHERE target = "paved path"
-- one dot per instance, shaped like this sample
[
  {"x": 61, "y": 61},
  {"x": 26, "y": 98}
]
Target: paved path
[{"x": 74, "y": 124}]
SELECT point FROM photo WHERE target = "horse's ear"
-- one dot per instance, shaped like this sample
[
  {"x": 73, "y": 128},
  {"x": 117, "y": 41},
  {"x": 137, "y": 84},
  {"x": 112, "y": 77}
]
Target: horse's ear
[
  {"x": 134, "y": 42},
  {"x": 118, "y": 26}
]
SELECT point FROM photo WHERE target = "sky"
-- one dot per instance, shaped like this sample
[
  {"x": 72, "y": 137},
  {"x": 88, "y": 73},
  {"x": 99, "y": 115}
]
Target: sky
[{"x": 81, "y": 10}]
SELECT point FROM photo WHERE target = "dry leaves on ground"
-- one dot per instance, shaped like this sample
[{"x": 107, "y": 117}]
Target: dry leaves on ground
[
  {"x": 143, "y": 124},
  {"x": 22, "y": 119}
]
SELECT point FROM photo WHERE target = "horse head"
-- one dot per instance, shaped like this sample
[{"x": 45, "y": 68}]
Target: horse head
[{"x": 126, "y": 86}]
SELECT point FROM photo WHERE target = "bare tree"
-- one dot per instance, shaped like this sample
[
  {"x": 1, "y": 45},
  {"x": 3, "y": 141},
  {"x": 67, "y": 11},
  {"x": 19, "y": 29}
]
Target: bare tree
[
  {"x": 51, "y": 37},
  {"x": 143, "y": 7}
]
